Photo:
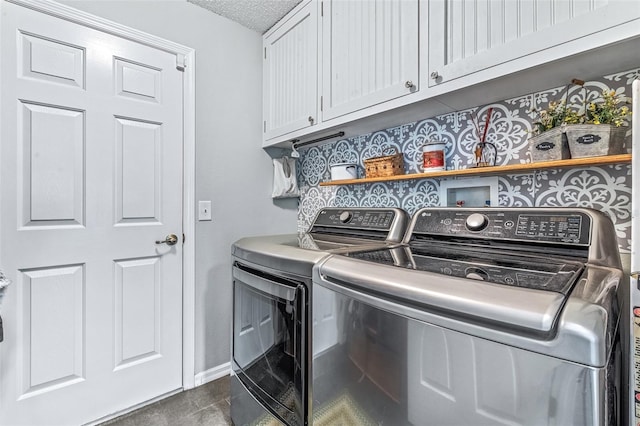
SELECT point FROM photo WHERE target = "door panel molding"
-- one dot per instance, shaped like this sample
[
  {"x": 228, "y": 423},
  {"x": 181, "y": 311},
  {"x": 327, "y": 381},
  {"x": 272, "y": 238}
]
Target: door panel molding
[
  {"x": 52, "y": 195},
  {"x": 54, "y": 344},
  {"x": 91, "y": 21}
]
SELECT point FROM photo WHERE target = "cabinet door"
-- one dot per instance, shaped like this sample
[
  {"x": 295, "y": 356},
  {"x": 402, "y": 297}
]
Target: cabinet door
[
  {"x": 290, "y": 74},
  {"x": 466, "y": 36},
  {"x": 369, "y": 53}
]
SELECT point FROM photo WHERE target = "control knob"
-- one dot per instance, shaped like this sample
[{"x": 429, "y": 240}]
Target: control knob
[
  {"x": 477, "y": 222},
  {"x": 476, "y": 274},
  {"x": 345, "y": 217}
]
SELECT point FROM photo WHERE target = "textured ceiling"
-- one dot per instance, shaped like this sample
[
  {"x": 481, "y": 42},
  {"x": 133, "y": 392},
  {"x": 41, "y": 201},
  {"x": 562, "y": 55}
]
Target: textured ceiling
[{"x": 258, "y": 15}]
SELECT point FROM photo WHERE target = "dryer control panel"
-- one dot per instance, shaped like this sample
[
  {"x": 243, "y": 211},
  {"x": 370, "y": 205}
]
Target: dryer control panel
[{"x": 356, "y": 218}]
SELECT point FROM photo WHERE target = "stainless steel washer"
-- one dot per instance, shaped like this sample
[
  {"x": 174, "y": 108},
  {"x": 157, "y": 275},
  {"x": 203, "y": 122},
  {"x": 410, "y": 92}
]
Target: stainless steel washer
[
  {"x": 486, "y": 316},
  {"x": 273, "y": 323}
]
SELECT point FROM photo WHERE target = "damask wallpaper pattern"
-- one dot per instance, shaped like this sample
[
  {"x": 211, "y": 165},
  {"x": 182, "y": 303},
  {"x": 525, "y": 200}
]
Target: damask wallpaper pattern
[{"x": 605, "y": 188}]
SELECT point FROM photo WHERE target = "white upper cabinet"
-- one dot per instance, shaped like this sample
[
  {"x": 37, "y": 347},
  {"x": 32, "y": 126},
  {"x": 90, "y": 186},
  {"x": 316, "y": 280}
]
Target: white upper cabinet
[
  {"x": 369, "y": 53},
  {"x": 290, "y": 73},
  {"x": 350, "y": 65},
  {"x": 467, "y": 36}
]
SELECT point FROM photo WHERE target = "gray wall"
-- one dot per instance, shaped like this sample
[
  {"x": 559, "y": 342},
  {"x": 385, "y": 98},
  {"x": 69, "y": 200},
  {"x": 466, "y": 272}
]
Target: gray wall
[{"x": 231, "y": 168}]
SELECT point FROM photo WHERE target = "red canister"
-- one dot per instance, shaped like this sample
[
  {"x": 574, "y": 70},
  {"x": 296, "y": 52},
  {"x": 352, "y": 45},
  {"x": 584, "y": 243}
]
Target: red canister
[{"x": 433, "y": 156}]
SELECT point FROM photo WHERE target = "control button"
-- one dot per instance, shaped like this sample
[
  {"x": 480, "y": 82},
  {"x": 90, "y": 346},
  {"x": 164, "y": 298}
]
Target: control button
[
  {"x": 476, "y": 274},
  {"x": 447, "y": 221},
  {"x": 345, "y": 217},
  {"x": 509, "y": 224},
  {"x": 509, "y": 280},
  {"x": 476, "y": 222}
]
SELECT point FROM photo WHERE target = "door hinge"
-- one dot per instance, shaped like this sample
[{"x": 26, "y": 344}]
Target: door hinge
[
  {"x": 322, "y": 9},
  {"x": 265, "y": 126},
  {"x": 265, "y": 53},
  {"x": 180, "y": 62},
  {"x": 183, "y": 238},
  {"x": 321, "y": 103}
]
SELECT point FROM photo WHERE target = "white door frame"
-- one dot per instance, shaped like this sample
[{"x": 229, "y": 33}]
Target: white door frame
[{"x": 185, "y": 58}]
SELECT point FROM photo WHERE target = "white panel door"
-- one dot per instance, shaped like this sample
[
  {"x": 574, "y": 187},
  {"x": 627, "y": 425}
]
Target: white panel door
[
  {"x": 466, "y": 36},
  {"x": 290, "y": 74},
  {"x": 90, "y": 178},
  {"x": 369, "y": 53}
]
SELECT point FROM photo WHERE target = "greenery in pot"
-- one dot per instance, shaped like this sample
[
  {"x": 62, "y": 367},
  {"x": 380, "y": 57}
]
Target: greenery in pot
[
  {"x": 566, "y": 131},
  {"x": 556, "y": 114},
  {"x": 609, "y": 111},
  {"x": 548, "y": 141}
]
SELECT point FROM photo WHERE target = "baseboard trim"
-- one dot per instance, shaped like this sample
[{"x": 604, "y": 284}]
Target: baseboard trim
[
  {"x": 131, "y": 409},
  {"x": 213, "y": 374}
]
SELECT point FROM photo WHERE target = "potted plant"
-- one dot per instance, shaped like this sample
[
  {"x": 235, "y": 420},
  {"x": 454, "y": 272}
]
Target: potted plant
[
  {"x": 602, "y": 128},
  {"x": 550, "y": 141}
]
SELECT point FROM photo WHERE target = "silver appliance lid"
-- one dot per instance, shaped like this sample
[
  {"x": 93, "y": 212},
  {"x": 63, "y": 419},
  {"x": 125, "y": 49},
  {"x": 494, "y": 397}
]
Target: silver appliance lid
[
  {"x": 334, "y": 230},
  {"x": 584, "y": 331},
  {"x": 277, "y": 253},
  {"x": 530, "y": 310}
]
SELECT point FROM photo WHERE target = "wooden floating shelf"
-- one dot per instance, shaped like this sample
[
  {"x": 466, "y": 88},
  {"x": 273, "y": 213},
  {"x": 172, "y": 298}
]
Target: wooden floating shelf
[{"x": 495, "y": 170}]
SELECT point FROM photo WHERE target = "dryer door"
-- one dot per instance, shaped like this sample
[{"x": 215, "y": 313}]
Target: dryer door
[{"x": 269, "y": 335}]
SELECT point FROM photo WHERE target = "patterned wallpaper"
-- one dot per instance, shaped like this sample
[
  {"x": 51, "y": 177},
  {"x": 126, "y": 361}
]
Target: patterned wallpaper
[{"x": 606, "y": 188}]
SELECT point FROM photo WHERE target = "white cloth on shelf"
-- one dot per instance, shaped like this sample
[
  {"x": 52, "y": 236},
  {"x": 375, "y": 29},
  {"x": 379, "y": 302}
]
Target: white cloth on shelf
[
  {"x": 4, "y": 282},
  {"x": 285, "y": 184}
]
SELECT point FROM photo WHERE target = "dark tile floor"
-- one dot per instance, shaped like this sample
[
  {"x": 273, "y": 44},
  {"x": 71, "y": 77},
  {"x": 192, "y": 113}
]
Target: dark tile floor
[{"x": 205, "y": 405}]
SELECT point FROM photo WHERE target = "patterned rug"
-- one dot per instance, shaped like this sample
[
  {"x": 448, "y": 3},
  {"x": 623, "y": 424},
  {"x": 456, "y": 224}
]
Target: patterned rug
[{"x": 341, "y": 411}]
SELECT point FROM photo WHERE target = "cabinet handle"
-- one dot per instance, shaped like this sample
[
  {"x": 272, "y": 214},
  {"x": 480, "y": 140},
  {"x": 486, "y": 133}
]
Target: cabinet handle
[
  {"x": 434, "y": 75},
  {"x": 311, "y": 120},
  {"x": 409, "y": 84}
]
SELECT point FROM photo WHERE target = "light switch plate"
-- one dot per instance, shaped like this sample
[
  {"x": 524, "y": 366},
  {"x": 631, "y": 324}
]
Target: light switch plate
[{"x": 204, "y": 210}]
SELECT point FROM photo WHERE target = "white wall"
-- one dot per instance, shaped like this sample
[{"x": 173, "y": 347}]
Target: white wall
[{"x": 231, "y": 168}]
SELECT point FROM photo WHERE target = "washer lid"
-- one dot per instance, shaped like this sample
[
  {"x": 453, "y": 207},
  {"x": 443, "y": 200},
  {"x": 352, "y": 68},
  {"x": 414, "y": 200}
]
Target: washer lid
[
  {"x": 579, "y": 327},
  {"x": 467, "y": 291}
]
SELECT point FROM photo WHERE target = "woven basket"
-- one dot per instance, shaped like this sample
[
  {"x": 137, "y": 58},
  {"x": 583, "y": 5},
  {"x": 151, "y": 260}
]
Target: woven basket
[{"x": 388, "y": 165}]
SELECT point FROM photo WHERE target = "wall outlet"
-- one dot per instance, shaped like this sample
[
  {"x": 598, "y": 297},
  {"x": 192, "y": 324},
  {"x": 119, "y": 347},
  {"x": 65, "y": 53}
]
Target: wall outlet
[{"x": 204, "y": 210}]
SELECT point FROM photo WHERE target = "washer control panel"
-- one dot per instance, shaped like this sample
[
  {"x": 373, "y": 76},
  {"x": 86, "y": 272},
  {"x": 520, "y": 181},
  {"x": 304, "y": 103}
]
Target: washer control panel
[
  {"x": 557, "y": 227},
  {"x": 379, "y": 219}
]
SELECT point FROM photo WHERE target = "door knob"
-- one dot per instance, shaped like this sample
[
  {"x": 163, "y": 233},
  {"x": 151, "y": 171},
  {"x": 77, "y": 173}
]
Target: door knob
[{"x": 171, "y": 239}]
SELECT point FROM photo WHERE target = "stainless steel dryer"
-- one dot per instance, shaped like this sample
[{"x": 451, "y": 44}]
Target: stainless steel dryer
[
  {"x": 485, "y": 317},
  {"x": 273, "y": 322}
]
